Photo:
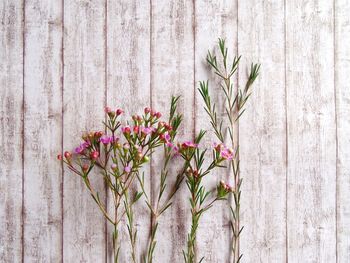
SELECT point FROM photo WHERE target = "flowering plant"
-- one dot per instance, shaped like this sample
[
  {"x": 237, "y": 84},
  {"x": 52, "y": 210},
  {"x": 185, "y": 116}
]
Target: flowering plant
[
  {"x": 194, "y": 159},
  {"x": 118, "y": 155},
  {"x": 235, "y": 101}
]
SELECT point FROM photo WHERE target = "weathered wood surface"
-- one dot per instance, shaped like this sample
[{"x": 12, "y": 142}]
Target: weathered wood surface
[
  {"x": 262, "y": 132},
  {"x": 172, "y": 74},
  {"x": 62, "y": 61},
  {"x": 128, "y": 87},
  {"x": 11, "y": 126},
  {"x": 342, "y": 110},
  {"x": 84, "y": 233},
  {"x": 42, "y": 176},
  {"x": 311, "y": 132},
  {"x": 213, "y": 19}
]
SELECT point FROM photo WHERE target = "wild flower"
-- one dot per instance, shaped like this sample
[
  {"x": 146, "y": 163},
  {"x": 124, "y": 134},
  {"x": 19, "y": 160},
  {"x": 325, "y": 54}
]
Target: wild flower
[
  {"x": 235, "y": 100},
  {"x": 195, "y": 159},
  {"x": 119, "y": 160}
]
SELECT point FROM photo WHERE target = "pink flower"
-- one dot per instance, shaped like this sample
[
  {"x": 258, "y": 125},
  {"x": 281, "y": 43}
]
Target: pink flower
[
  {"x": 157, "y": 115},
  {"x": 127, "y": 168},
  {"x": 146, "y": 130},
  {"x": 67, "y": 154},
  {"x": 114, "y": 166},
  {"x": 126, "y": 129},
  {"x": 224, "y": 152},
  {"x": 227, "y": 187},
  {"x": 136, "y": 129},
  {"x": 165, "y": 137},
  {"x": 107, "y": 110},
  {"x": 147, "y": 110},
  {"x": 105, "y": 139},
  {"x": 80, "y": 149},
  {"x": 189, "y": 144},
  {"x": 227, "y": 154},
  {"x": 94, "y": 155},
  {"x": 119, "y": 112}
]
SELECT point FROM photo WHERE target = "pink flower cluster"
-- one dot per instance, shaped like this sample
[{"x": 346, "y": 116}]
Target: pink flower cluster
[
  {"x": 225, "y": 186},
  {"x": 224, "y": 152},
  {"x": 112, "y": 113}
]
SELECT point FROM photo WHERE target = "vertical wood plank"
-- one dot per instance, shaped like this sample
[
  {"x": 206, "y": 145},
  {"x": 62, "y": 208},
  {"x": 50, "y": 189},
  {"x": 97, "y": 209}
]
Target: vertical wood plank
[
  {"x": 172, "y": 73},
  {"x": 311, "y": 131},
  {"x": 342, "y": 67},
  {"x": 213, "y": 19},
  {"x": 84, "y": 99},
  {"x": 262, "y": 132},
  {"x": 42, "y": 131},
  {"x": 11, "y": 126},
  {"x": 128, "y": 87}
]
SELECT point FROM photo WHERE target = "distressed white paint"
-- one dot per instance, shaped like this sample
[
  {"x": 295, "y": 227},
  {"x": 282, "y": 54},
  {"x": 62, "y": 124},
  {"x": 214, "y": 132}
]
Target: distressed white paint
[
  {"x": 43, "y": 132},
  {"x": 262, "y": 133},
  {"x": 294, "y": 134}
]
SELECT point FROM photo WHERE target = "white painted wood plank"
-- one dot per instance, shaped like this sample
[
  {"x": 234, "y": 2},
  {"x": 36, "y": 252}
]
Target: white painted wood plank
[
  {"x": 128, "y": 87},
  {"x": 311, "y": 131},
  {"x": 42, "y": 132},
  {"x": 213, "y": 19},
  {"x": 173, "y": 74},
  {"x": 262, "y": 132},
  {"x": 11, "y": 126},
  {"x": 84, "y": 99},
  {"x": 342, "y": 67}
]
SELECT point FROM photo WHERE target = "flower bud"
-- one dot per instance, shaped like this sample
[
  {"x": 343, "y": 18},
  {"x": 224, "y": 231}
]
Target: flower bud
[
  {"x": 94, "y": 155},
  {"x": 59, "y": 157},
  {"x": 157, "y": 115},
  {"x": 98, "y": 134},
  {"x": 126, "y": 130},
  {"x": 108, "y": 110},
  {"x": 114, "y": 167},
  {"x": 147, "y": 110},
  {"x": 85, "y": 168},
  {"x": 145, "y": 159},
  {"x": 68, "y": 155},
  {"x": 136, "y": 129},
  {"x": 119, "y": 112}
]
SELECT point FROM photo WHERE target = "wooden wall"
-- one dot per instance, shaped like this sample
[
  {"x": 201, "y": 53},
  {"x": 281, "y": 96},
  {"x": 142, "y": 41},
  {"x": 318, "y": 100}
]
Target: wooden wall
[{"x": 62, "y": 61}]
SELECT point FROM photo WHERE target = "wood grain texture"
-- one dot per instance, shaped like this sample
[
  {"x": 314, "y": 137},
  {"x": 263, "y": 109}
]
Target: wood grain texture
[
  {"x": 72, "y": 57},
  {"x": 84, "y": 99},
  {"x": 342, "y": 67},
  {"x": 311, "y": 132},
  {"x": 213, "y": 19},
  {"x": 11, "y": 127},
  {"x": 42, "y": 132},
  {"x": 262, "y": 132},
  {"x": 128, "y": 87},
  {"x": 172, "y": 73}
]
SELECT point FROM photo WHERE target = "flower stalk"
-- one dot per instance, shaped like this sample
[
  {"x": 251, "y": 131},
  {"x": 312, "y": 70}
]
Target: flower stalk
[
  {"x": 194, "y": 158},
  {"x": 235, "y": 101},
  {"x": 118, "y": 159}
]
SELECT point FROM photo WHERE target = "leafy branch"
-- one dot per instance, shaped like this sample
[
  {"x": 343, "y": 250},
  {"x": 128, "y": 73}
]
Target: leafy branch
[{"x": 235, "y": 102}]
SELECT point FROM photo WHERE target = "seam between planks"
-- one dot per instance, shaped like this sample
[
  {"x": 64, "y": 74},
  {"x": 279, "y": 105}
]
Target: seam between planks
[
  {"x": 23, "y": 109},
  {"x": 286, "y": 123},
  {"x": 105, "y": 102},
  {"x": 336, "y": 131},
  {"x": 62, "y": 129},
  {"x": 151, "y": 103}
]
